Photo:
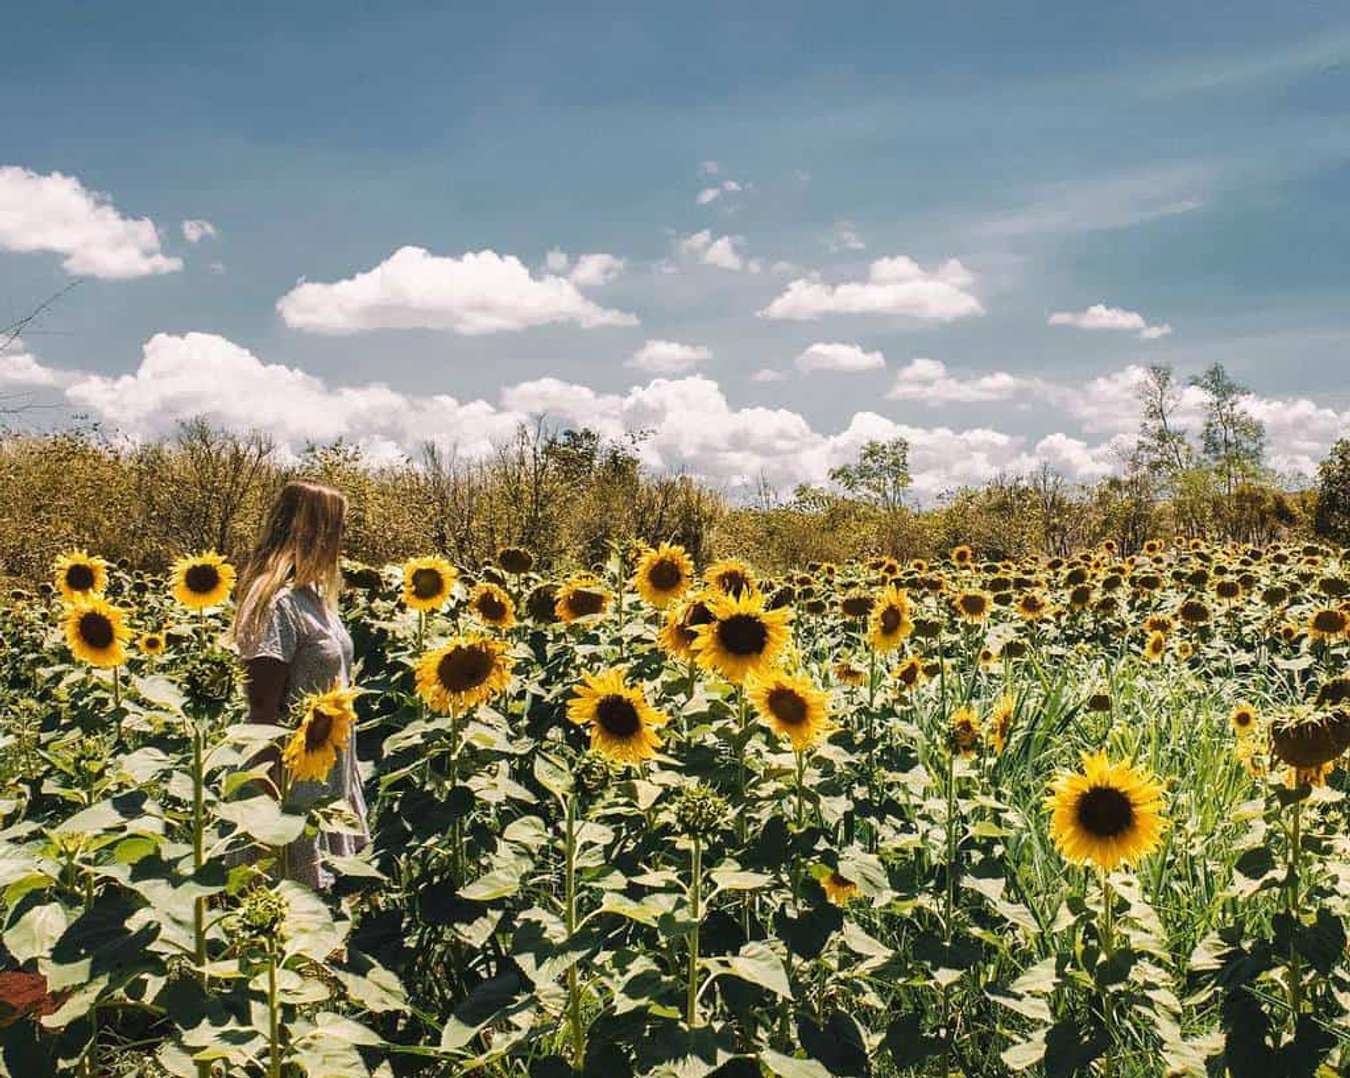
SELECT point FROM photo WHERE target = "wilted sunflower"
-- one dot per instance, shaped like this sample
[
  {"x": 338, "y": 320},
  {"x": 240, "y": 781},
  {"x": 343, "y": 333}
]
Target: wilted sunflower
[
  {"x": 847, "y": 673},
  {"x": 202, "y": 580},
  {"x": 1108, "y": 814},
  {"x": 542, "y": 604},
  {"x": 515, "y": 560},
  {"x": 890, "y": 622},
  {"x": 910, "y": 673},
  {"x": 1193, "y": 612},
  {"x": 743, "y": 638},
  {"x": 731, "y": 577},
  {"x": 791, "y": 705},
  {"x": 856, "y": 604},
  {"x": 151, "y": 644},
  {"x": 972, "y": 607},
  {"x": 1000, "y": 722},
  {"x": 492, "y": 606},
  {"x": 466, "y": 671},
  {"x": 680, "y": 629},
  {"x": 1243, "y": 719},
  {"x": 623, "y": 725},
  {"x": 1032, "y": 606},
  {"x": 839, "y": 889},
  {"x": 427, "y": 583},
  {"x": 97, "y": 632},
  {"x": 964, "y": 735},
  {"x": 663, "y": 575},
  {"x": 79, "y": 574},
  {"x": 326, "y": 723},
  {"x": 581, "y": 597},
  {"x": 1327, "y": 623},
  {"x": 1309, "y": 738}
]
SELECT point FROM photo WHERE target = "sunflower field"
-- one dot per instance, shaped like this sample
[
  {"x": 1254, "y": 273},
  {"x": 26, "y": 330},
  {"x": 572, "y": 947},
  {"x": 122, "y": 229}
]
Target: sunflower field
[{"x": 1060, "y": 816}]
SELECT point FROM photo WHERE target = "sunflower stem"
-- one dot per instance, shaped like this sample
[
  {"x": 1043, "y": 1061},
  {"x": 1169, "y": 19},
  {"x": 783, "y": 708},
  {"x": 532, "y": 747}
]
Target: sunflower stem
[
  {"x": 1292, "y": 881},
  {"x": 573, "y": 980},
  {"x": 1108, "y": 950},
  {"x": 273, "y": 1013},
  {"x": 696, "y": 914}
]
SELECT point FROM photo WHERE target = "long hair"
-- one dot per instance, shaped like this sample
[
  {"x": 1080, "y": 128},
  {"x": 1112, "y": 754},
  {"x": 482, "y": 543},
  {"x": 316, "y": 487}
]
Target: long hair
[{"x": 299, "y": 544}]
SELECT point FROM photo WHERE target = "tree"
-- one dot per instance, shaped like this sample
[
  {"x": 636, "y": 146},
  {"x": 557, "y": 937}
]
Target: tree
[
  {"x": 1332, "y": 517},
  {"x": 880, "y": 475},
  {"x": 1233, "y": 440},
  {"x": 1161, "y": 448}
]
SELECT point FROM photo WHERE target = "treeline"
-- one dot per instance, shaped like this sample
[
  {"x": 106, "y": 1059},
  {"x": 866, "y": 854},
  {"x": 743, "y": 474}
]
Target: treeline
[{"x": 568, "y": 495}]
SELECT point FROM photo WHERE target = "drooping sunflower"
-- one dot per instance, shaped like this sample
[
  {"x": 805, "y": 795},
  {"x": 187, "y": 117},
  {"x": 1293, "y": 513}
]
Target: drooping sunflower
[
  {"x": 515, "y": 560},
  {"x": 791, "y": 705},
  {"x": 427, "y": 583},
  {"x": 839, "y": 889},
  {"x": 1243, "y": 718},
  {"x": 663, "y": 575},
  {"x": 856, "y": 604},
  {"x": 464, "y": 672},
  {"x": 97, "y": 632},
  {"x": 492, "y": 606},
  {"x": 79, "y": 574},
  {"x": 581, "y": 597},
  {"x": 1000, "y": 722},
  {"x": 1309, "y": 737},
  {"x": 202, "y": 580},
  {"x": 964, "y": 734},
  {"x": 542, "y": 604},
  {"x": 743, "y": 638},
  {"x": 848, "y": 673},
  {"x": 910, "y": 674},
  {"x": 1108, "y": 814},
  {"x": 1193, "y": 612},
  {"x": 151, "y": 644},
  {"x": 623, "y": 725},
  {"x": 730, "y": 577},
  {"x": 680, "y": 629},
  {"x": 972, "y": 607},
  {"x": 889, "y": 622},
  {"x": 1032, "y": 606},
  {"x": 326, "y": 723},
  {"x": 1328, "y": 623}
]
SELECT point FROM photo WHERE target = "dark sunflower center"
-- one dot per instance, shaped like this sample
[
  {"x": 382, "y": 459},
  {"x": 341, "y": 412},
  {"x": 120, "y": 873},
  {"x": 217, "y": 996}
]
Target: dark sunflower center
[
  {"x": 617, "y": 716},
  {"x": 855, "y": 606},
  {"x": 318, "y": 730},
  {"x": 972, "y": 604},
  {"x": 890, "y": 620},
  {"x": 584, "y": 602},
  {"x": 909, "y": 673},
  {"x": 80, "y": 577},
  {"x": 426, "y": 583},
  {"x": 840, "y": 881},
  {"x": 464, "y": 668},
  {"x": 1329, "y": 621},
  {"x": 1105, "y": 812},
  {"x": 787, "y": 706},
  {"x": 1243, "y": 718},
  {"x": 743, "y": 634},
  {"x": 698, "y": 614},
  {"x": 202, "y": 579},
  {"x": 665, "y": 575},
  {"x": 733, "y": 582},
  {"x": 96, "y": 630},
  {"x": 491, "y": 606}
]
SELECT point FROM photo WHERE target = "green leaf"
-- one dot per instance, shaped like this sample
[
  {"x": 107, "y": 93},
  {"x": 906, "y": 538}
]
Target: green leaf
[
  {"x": 488, "y": 1000},
  {"x": 262, "y": 818},
  {"x": 791, "y": 1067},
  {"x": 35, "y": 933},
  {"x": 758, "y": 964},
  {"x": 161, "y": 692}
]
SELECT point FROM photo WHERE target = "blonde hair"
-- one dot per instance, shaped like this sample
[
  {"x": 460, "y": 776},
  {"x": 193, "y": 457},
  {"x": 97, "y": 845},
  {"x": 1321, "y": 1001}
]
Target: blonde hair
[{"x": 299, "y": 544}]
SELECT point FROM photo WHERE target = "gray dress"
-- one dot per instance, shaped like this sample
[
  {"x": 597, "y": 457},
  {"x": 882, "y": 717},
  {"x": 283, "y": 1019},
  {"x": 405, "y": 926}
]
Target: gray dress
[{"x": 302, "y": 632}]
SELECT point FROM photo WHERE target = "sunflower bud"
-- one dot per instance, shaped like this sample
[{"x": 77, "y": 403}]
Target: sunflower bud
[
  {"x": 263, "y": 913},
  {"x": 700, "y": 812},
  {"x": 209, "y": 679},
  {"x": 591, "y": 774}
]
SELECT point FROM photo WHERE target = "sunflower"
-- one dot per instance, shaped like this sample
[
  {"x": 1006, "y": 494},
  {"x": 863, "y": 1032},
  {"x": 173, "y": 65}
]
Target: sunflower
[
  {"x": 581, "y": 597},
  {"x": 202, "y": 580},
  {"x": 889, "y": 622},
  {"x": 972, "y": 607},
  {"x": 515, "y": 560},
  {"x": 151, "y": 644},
  {"x": 79, "y": 573},
  {"x": 910, "y": 674},
  {"x": 663, "y": 575},
  {"x": 1159, "y": 623},
  {"x": 839, "y": 889},
  {"x": 680, "y": 629},
  {"x": 1000, "y": 722},
  {"x": 743, "y": 637},
  {"x": 1193, "y": 612},
  {"x": 846, "y": 673},
  {"x": 623, "y": 725},
  {"x": 96, "y": 631},
  {"x": 1327, "y": 623},
  {"x": 542, "y": 604},
  {"x": 1109, "y": 814},
  {"x": 791, "y": 705},
  {"x": 492, "y": 606},
  {"x": 730, "y": 577},
  {"x": 1310, "y": 738},
  {"x": 463, "y": 672},
  {"x": 964, "y": 735},
  {"x": 427, "y": 583},
  {"x": 1243, "y": 719},
  {"x": 856, "y": 604},
  {"x": 962, "y": 556},
  {"x": 326, "y": 723},
  {"x": 1032, "y": 606}
]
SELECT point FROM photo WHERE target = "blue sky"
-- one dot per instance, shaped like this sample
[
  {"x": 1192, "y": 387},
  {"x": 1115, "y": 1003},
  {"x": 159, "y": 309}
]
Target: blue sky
[{"x": 1182, "y": 164}]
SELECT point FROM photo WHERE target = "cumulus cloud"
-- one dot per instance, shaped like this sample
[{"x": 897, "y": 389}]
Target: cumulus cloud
[
  {"x": 1101, "y": 317},
  {"x": 928, "y": 380},
  {"x": 768, "y": 374},
  {"x": 19, "y": 367},
  {"x": 826, "y": 356},
  {"x": 724, "y": 252},
  {"x": 479, "y": 292},
  {"x": 195, "y": 229},
  {"x": 58, "y": 214},
  {"x": 668, "y": 357},
  {"x": 711, "y": 194},
  {"x": 594, "y": 270},
  {"x": 897, "y": 286}
]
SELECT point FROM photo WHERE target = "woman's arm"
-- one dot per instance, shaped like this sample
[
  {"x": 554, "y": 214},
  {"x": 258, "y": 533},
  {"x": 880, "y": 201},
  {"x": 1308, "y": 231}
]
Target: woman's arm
[{"x": 265, "y": 689}]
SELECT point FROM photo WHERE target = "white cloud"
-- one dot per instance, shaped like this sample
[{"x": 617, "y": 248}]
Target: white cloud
[
  {"x": 1100, "y": 316},
  {"x": 839, "y": 357},
  {"x": 928, "y": 380},
  {"x": 845, "y": 237},
  {"x": 724, "y": 252},
  {"x": 768, "y": 374},
  {"x": 668, "y": 357},
  {"x": 195, "y": 229},
  {"x": 707, "y": 195},
  {"x": 594, "y": 270},
  {"x": 897, "y": 286},
  {"x": 556, "y": 261},
  {"x": 479, "y": 292},
  {"x": 18, "y": 367},
  {"x": 57, "y": 213}
]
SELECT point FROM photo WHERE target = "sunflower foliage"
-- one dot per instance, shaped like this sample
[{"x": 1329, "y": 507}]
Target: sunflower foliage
[{"x": 1045, "y": 816}]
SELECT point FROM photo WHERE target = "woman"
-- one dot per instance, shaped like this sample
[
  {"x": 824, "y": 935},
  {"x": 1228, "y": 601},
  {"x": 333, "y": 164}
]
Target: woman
[{"x": 293, "y": 643}]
